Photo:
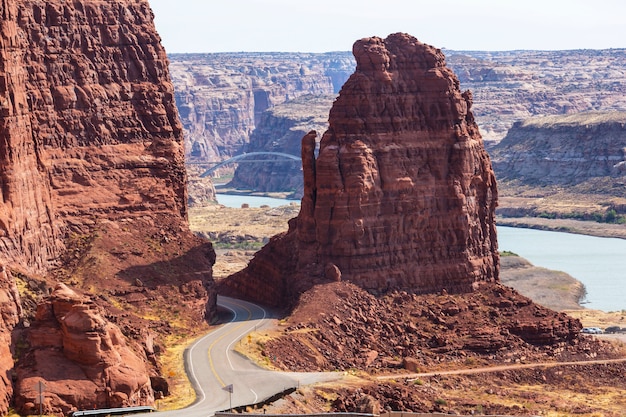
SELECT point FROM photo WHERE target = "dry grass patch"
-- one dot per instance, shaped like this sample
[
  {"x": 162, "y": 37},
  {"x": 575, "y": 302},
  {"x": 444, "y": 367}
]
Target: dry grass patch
[
  {"x": 173, "y": 366},
  {"x": 252, "y": 346}
]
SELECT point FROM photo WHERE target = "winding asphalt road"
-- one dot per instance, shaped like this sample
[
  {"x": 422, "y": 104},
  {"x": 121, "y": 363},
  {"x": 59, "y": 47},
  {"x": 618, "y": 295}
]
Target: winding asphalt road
[{"x": 213, "y": 366}]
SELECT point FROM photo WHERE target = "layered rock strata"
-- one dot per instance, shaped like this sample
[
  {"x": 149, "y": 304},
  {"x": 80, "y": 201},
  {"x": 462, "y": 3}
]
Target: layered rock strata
[
  {"x": 563, "y": 150},
  {"x": 89, "y": 121},
  {"x": 221, "y": 97},
  {"x": 91, "y": 143},
  {"x": 510, "y": 86},
  {"x": 401, "y": 195}
]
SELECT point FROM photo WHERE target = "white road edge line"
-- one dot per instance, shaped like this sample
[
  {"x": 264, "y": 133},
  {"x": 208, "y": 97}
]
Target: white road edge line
[
  {"x": 256, "y": 397},
  {"x": 195, "y": 382},
  {"x": 229, "y": 348}
]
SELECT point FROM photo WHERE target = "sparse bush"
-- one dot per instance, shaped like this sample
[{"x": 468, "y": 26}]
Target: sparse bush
[{"x": 546, "y": 215}]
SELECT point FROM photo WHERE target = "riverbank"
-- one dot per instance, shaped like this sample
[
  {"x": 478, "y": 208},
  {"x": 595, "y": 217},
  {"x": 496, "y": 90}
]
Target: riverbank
[{"x": 580, "y": 227}]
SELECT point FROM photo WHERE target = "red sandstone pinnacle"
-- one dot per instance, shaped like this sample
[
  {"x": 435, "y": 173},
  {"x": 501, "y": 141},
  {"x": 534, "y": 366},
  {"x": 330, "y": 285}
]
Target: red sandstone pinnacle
[{"x": 402, "y": 194}]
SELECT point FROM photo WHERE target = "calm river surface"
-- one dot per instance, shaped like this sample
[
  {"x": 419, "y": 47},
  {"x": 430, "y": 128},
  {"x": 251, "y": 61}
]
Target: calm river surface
[
  {"x": 236, "y": 201},
  {"x": 599, "y": 263}
]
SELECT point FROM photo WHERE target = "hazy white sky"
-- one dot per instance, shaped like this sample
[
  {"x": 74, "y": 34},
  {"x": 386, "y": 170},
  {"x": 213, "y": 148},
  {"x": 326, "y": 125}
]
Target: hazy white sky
[{"x": 334, "y": 25}]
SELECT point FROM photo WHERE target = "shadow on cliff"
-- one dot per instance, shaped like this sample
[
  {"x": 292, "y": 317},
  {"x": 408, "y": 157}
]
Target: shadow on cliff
[
  {"x": 181, "y": 285},
  {"x": 194, "y": 264}
]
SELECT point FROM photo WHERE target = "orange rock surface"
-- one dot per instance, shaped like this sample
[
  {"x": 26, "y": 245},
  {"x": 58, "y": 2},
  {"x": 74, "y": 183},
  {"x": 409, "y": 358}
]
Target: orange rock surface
[{"x": 99, "y": 367}]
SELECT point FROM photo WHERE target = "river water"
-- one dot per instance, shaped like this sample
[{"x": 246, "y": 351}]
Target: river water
[
  {"x": 236, "y": 201},
  {"x": 599, "y": 263}
]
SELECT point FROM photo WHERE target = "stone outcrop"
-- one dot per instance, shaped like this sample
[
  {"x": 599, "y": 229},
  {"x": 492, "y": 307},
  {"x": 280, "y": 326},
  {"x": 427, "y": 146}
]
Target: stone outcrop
[
  {"x": 91, "y": 147},
  {"x": 221, "y": 97},
  {"x": 401, "y": 330},
  {"x": 280, "y": 129},
  {"x": 401, "y": 195},
  {"x": 564, "y": 150},
  {"x": 82, "y": 359}
]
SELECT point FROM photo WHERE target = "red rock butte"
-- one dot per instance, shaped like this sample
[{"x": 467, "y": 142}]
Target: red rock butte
[{"x": 402, "y": 194}]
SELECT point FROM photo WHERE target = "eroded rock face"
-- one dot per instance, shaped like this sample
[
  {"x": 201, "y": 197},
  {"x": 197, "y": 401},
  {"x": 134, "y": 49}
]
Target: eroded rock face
[
  {"x": 10, "y": 313},
  {"x": 83, "y": 359},
  {"x": 402, "y": 194},
  {"x": 89, "y": 123},
  {"x": 90, "y": 141}
]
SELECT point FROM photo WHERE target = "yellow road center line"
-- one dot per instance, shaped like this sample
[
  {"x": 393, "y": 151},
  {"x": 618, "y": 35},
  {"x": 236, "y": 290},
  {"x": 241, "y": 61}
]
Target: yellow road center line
[{"x": 221, "y": 382}]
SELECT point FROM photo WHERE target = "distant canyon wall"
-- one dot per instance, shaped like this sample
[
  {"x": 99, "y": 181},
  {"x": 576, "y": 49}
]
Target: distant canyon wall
[
  {"x": 565, "y": 150},
  {"x": 280, "y": 129},
  {"x": 511, "y": 86},
  {"x": 221, "y": 97}
]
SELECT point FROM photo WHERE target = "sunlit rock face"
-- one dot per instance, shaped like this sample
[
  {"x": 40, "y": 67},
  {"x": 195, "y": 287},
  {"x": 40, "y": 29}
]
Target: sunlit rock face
[
  {"x": 401, "y": 195},
  {"x": 89, "y": 136}
]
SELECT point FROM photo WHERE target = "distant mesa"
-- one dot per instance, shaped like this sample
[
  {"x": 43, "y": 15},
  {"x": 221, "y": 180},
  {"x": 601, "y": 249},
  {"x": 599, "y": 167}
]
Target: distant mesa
[
  {"x": 565, "y": 150},
  {"x": 402, "y": 194}
]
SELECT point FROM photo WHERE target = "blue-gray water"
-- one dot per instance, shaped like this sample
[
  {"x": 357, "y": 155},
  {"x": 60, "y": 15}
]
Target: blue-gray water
[
  {"x": 236, "y": 201},
  {"x": 599, "y": 263}
]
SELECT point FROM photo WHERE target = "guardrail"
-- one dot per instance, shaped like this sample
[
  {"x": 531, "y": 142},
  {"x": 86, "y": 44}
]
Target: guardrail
[{"x": 389, "y": 414}]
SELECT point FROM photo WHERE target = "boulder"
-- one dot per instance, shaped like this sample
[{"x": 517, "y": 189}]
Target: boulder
[{"x": 83, "y": 360}]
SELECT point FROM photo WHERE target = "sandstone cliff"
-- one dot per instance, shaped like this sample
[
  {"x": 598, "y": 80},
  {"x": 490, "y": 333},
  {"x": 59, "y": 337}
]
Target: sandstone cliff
[
  {"x": 402, "y": 194},
  {"x": 91, "y": 158},
  {"x": 89, "y": 121},
  {"x": 222, "y": 96},
  {"x": 564, "y": 150},
  {"x": 280, "y": 129}
]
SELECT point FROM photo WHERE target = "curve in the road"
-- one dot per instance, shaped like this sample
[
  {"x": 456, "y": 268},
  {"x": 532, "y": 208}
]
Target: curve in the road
[
  {"x": 211, "y": 366},
  {"x": 236, "y": 308}
]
